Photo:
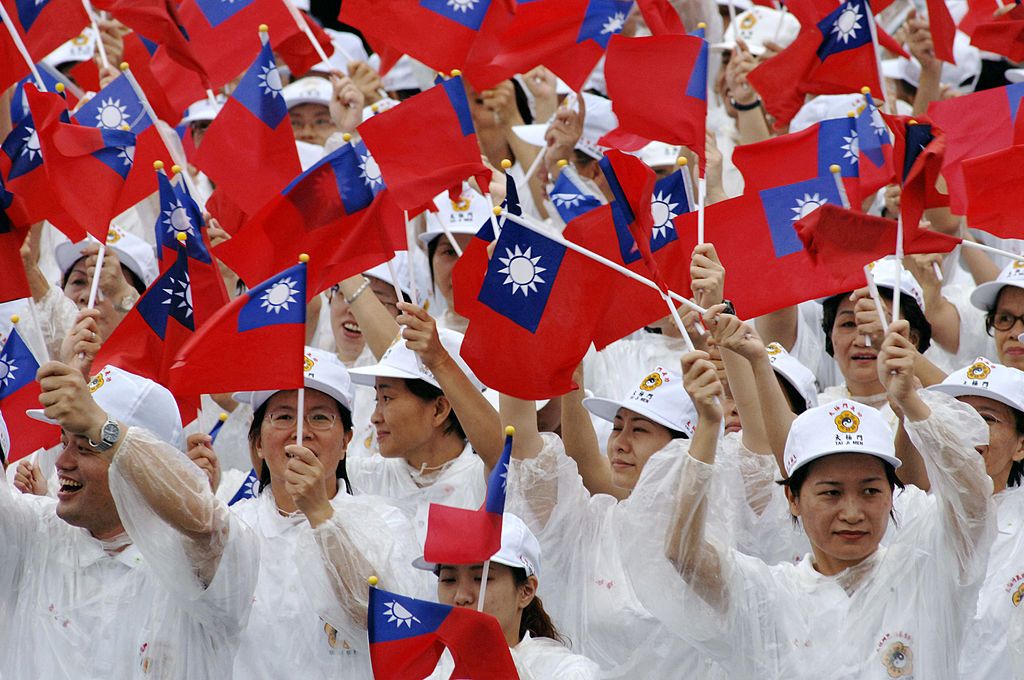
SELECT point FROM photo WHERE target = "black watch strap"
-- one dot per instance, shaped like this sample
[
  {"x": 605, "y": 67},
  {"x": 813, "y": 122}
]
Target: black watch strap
[{"x": 745, "y": 107}]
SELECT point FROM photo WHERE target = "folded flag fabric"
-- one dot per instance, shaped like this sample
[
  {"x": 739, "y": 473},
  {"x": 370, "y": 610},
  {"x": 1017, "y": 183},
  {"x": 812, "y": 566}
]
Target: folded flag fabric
[
  {"x": 995, "y": 200},
  {"x": 44, "y": 25},
  {"x": 19, "y": 391}
]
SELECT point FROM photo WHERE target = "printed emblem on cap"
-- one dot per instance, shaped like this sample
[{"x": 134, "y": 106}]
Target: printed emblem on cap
[
  {"x": 80, "y": 39},
  {"x": 847, "y": 421},
  {"x": 898, "y": 660},
  {"x": 1018, "y": 264},
  {"x": 308, "y": 363},
  {"x": 651, "y": 382},
  {"x": 773, "y": 348},
  {"x": 979, "y": 370},
  {"x": 748, "y": 22},
  {"x": 461, "y": 205},
  {"x": 114, "y": 235},
  {"x": 98, "y": 381},
  {"x": 1018, "y": 595}
]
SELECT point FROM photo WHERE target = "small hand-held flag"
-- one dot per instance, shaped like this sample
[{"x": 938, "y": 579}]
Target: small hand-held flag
[{"x": 19, "y": 392}]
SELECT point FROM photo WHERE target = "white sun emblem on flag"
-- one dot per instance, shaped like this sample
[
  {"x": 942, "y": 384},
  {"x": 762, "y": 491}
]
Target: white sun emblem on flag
[
  {"x": 521, "y": 271},
  {"x": 7, "y": 369},
  {"x": 399, "y": 615},
  {"x": 808, "y": 204},
  {"x": 663, "y": 210},
  {"x": 504, "y": 476},
  {"x": 111, "y": 115},
  {"x": 614, "y": 23},
  {"x": 369, "y": 171},
  {"x": 279, "y": 296},
  {"x": 126, "y": 154},
  {"x": 566, "y": 200},
  {"x": 462, "y": 5},
  {"x": 176, "y": 218},
  {"x": 179, "y": 295},
  {"x": 270, "y": 80},
  {"x": 847, "y": 23},
  {"x": 852, "y": 147},
  {"x": 31, "y": 148},
  {"x": 877, "y": 124}
]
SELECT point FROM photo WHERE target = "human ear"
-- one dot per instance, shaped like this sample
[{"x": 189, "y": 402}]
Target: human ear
[
  {"x": 794, "y": 503},
  {"x": 527, "y": 592}
]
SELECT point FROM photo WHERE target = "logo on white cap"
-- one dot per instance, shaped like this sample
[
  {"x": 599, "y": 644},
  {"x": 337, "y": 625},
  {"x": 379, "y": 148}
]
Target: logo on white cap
[
  {"x": 846, "y": 415},
  {"x": 979, "y": 370}
]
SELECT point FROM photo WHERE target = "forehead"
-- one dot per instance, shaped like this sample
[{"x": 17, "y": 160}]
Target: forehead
[
  {"x": 381, "y": 288},
  {"x": 1010, "y": 298},
  {"x": 287, "y": 399},
  {"x": 309, "y": 109},
  {"x": 846, "y": 466},
  {"x": 985, "y": 403},
  {"x": 392, "y": 384}
]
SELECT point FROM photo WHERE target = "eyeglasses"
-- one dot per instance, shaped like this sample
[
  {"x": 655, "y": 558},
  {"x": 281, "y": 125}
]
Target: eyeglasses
[
  {"x": 1004, "y": 321},
  {"x": 315, "y": 420}
]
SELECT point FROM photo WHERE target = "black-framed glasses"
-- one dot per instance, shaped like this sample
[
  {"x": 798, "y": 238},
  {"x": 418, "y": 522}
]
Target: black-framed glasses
[
  {"x": 1004, "y": 321},
  {"x": 315, "y": 420}
]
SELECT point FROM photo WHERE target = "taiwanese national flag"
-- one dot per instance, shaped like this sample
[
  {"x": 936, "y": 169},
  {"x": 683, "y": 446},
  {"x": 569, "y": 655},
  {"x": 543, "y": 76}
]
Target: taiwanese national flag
[
  {"x": 669, "y": 104},
  {"x": 249, "y": 149},
  {"x": 570, "y": 197},
  {"x": 538, "y": 305},
  {"x": 23, "y": 175},
  {"x": 833, "y": 54},
  {"x": 995, "y": 192},
  {"x": 439, "y": 33},
  {"x": 408, "y": 636},
  {"x": 156, "y": 328},
  {"x": 170, "y": 88},
  {"x": 19, "y": 392},
  {"x": 461, "y": 536},
  {"x": 874, "y": 146},
  {"x": 918, "y": 156},
  {"x": 44, "y": 25},
  {"x": 266, "y": 325},
  {"x": 13, "y": 284},
  {"x": 567, "y": 36},
  {"x": 338, "y": 210},
  {"x": 425, "y": 145},
  {"x": 87, "y": 167},
  {"x": 975, "y": 124},
  {"x": 50, "y": 77},
  {"x": 1003, "y": 35},
  {"x": 120, "y": 106}
]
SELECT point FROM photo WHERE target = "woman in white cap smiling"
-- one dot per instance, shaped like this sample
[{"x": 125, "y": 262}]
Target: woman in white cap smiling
[
  {"x": 850, "y": 609},
  {"x": 315, "y": 536},
  {"x": 1003, "y": 303},
  {"x": 538, "y": 649}
]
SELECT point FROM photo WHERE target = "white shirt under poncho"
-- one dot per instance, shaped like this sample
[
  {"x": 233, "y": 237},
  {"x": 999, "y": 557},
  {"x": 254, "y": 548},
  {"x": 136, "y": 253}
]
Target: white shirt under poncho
[
  {"x": 78, "y": 610},
  {"x": 307, "y": 621},
  {"x": 899, "y": 614},
  {"x": 535, "y": 659}
]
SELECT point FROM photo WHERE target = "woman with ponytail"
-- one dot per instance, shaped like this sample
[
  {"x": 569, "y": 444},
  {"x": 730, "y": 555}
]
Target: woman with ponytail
[{"x": 538, "y": 650}]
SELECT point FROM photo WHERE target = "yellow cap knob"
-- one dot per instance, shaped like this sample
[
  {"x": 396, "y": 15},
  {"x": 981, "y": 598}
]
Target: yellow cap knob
[
  {"x": 911, "y": 122},
  {"x": 303, "y": 258},
  {"x": 496, "y": 210},
  {"x": 158, "y": 165},
  {"x": 347, "y": 137},
  {"x": 851, "y": 114},
  {"x": 834, "y": 169},
  {"x": 509, "y": 431},
  {"x": 562, "y": 163},
  {"x": 865, "y": 90},
  {"x": 456, "y": 73},
  {"x": 372, "y": 580},
  {"x": 181, "y": 236},
  {"x": 124, "y": 66},
  {"x": 59, "y": 87},
  {"x": 176, "y": 169},
  {"x": 681, "y": 161},
  {"x": 702, "y": 25},
  {"x": 264, "y": 28},
  {"x": 506, "y": 163},
  {"x": 222, "y": 417},
  {"x": 15, "y": 318}
]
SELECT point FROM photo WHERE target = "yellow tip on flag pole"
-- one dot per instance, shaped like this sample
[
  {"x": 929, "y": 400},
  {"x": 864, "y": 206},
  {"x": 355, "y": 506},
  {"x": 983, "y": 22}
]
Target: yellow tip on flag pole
[
  {"x": 496, "y": 210},
  {"x": 181, "y": 236},
  {"x": 562, "y": 163},
  {"x": 223, "y": 417},
  {"x": 840, "y": 187},
  {"x": 911, "y": 122},
  {"x": 865, "y": 90},
  {"x": 347, "y": 137},
  {"x": 505, "y": 164},
  {"x": 176, "y": 169},
  {"x": 59, "y": 87},
  {"x": 123, "y": 66},
  {"x": 303, "y": 258},
  {"x": 702, "y": 25},
  {"x": 456, "y": 73},
  {"x": 681, "y": 161},
  {"x": 373, "y": 580},
  {"x": 158, "y": 165},
  {"x": 264, "y": 28},
  {"x": 510, "y": 431},
  {"x": 15, "y": 318}
]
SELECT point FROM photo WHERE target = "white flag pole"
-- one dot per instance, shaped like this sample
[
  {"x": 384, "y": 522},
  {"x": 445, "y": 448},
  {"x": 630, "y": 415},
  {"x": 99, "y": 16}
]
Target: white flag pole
[
  {"x": 410, "y": 239},
  {"x": 483, "y": 586},
  {"x": 873, "y": 289},
  {"x": 899, "y": 269},
  {"x": 840, "y": 187},
  {"x": 96, "y": 29}
]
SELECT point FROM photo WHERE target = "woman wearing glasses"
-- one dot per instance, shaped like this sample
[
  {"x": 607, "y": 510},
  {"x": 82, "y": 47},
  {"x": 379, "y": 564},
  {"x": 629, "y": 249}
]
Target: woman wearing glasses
[
  {"x": 1003, "y": 303},
  {"x": 315, "y": 536}
]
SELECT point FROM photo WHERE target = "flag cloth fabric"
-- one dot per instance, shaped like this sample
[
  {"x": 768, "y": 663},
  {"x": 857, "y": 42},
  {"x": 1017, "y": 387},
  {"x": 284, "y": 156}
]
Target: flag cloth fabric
[
  {"x": 917, "y": 156},
  {"x": 159, "y": 324},
  {"x": 249, "y": 149},
  {"x": 250, "y": 485},
  {"x": 461, "y": 536},
  {"x": 1003, "y": 35},
  {"x": 874, "y": 149},
  {"x": 407, "y": 637},
  {"x": 120, "y": 106},
  {"x": 539, "y": 305},
  {"x": 833, "y": 54},
  {"x": 50, "y": 77},
  {"x": 169, "y": 87},
  {"x": 571, "y": 197},
  {"x": 975, "y": 124},
  {"x": 442, "y": 153},
  {"x": 13, "y": 284},
  {"x": 266, "y": 325},
  {"x": 338, "y": 209},
  {"x": 995, "y": 199},
  {"x": 87, "y": 167},
  {"x": 943, "y": 30},
  {"x": 661, "y": 17},
  {"x": 669, "y": 104},
  {"x": 19, "y": 391},
  {"x": 23, "y": 175},
  {"x": 44, "y": 25}
]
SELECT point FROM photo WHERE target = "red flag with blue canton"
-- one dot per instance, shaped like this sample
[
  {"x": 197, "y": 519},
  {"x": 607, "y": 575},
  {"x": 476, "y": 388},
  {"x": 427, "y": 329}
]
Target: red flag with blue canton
[
  {"x": 917, "y": 154},
  {"x": 833, "y": 54},
  {"x": 44, "y": 25},
  {"x": 874, "y": 149},
  {"x": 338, "y": 209},
  {"x": 425, "y": 145},
  {"x": 249, "y": 149},
  {"x": 632, "y": 184},
  {"x": 669, "y": 104},
  {"x": 50, "y": 77},
  {"x": 266, "y": 325},
  {"x": 975, "y": 124},
  {"x": 461, "y": 536},
  {"x": 19, "y": 392},
  {"x": 155, "y": 329},
  {"x": 23, "y": 175},
  {"x": 407, "y": 637},
  {"x": 570, "y": 197},
  {"x": 87, "y": 167}
]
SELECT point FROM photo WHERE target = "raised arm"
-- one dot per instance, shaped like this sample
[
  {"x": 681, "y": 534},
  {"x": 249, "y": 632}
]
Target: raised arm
[
  {"x": 581, "y": 443},
  {"x": 377, "y": 325}
]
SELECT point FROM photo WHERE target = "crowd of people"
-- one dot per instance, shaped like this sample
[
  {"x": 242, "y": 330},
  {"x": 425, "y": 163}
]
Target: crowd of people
[{"x": 830, "y": 490}]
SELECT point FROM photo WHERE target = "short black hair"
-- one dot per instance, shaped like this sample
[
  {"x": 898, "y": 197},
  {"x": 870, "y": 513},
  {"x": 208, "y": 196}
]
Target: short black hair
[
  {"x": 795, "y": 481},
  {"x": 908, "y": 305},
  {"x": 427, "y": 392}
]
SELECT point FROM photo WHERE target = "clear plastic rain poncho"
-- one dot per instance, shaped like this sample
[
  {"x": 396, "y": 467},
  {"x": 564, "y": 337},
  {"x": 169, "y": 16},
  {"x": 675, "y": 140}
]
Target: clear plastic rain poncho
[
  {"x": 166, "y": 606},
  {"x": 535, "y": 659},
  {"x": 309, "y": 615},
  {"x": 901, "y": 613},
  {"x": 585, "y": 541}
]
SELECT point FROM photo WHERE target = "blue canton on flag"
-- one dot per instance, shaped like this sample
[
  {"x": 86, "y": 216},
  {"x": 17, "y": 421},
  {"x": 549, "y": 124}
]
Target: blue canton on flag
[
  {"x": 179, "y": 214},
  {"x": 456, "y": 92},
  {"x": 872, "y": 132},
  {"x": 369, "y": 171},
  {"x": 19, "y": 102},
  {"x": 838, "y": 144},
  {"x": 169, "y": 297},
  {"x": 115, "y": 106},
  {"x": 394, "y": 617},
  {"x": 249, "y": 487},
  {"x": 29, "y": 11},
  {"x": 469, "y": 13},
  {"x": 496, "y": 483},
  {"x": 18, "y": 366},
  {"x": 219, "y": 11},
  {"x": 603, "y": 19},
  {"x": 260, "y": 89},
  {"x": 918, "y": 137},
  {"x": 846, "y": 28},
  {"x": 279, "y": 300},
  {"x": 520, "y": 275},
  {"x": 698, "y": 85},
  {"x": 355, "y": 187},
  {"x": 570, "y": 198},
  {"x": 786, "y": 204},
  {"x": 119, "y": 151},
  {"x": 22, "y": 147}
]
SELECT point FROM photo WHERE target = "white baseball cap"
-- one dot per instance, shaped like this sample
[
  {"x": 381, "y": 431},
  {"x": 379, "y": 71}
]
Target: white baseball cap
[
  {"x": 464, "y": 216},
  {"x": 985, "y": 295},
  {"x": 379, "y": 106},
  {"x": 132, "y": 251},
  {"x": 842, "y": 426},
  {"x": 135, "y": 401},
  {"x": 401, "y": 264},
  {"x": 598, "y": 121},
  {"x": 659, "y": 154},
  {"x": 985, "y": 378},
  {"x": 203, "y": 110},
  {"x": 401, "y": 362},
  {"x": 757, "y": 26},
  {"x": 799, "y": 377},
  {"x": 346, "y": 45},
  {"x": 5, "y": 439},
  {"x": 78, "y": 49},
  {"x": 659, "y": 397},
  {"x": 884, "y": 273},
  {"x": 321, "y": 371},
  {"x": 308, "y": 90},
  {"x": 520, "y": 549},
  {"x": 825, "y": 107},
  {"x": 961, "y": 76}
]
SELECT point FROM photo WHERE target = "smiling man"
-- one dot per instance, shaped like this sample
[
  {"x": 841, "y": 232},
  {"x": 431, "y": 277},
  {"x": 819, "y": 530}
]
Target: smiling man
[{"x": 136, "y": 570}]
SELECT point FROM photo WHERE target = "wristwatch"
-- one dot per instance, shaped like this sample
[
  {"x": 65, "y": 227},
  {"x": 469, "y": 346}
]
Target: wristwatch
[
  {"x": 109, "y": 434},
  {"x": 745, "y": 107},
  {"x": 126, "y": 303}
]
